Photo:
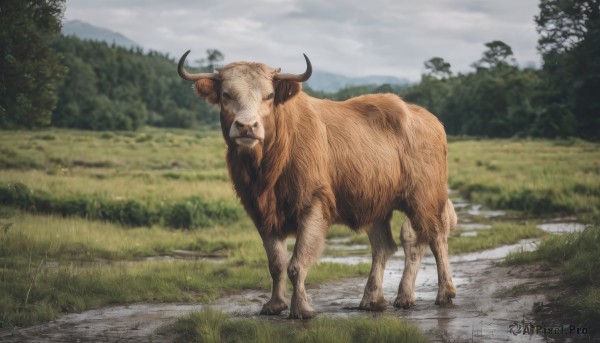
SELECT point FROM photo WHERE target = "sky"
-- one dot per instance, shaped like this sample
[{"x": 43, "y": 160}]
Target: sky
[{"x": 349, "y": 37}]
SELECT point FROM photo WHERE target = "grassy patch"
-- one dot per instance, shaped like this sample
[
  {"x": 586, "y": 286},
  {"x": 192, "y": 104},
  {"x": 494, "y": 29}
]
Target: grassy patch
[
  {"x": 77, "y": 239},
  {"x": 11, "y": 159},
  {"x": 577, "y": 256},
  {"x": 535, "y": 176},
  {"x": 51, "y": 265},
  {"x": 499, "y": 234},
  {"x": 212, "y": 326}
]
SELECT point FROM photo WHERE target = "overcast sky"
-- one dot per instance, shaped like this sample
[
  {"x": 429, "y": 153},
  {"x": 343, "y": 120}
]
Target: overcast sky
[{"x": 352, "y": 37}]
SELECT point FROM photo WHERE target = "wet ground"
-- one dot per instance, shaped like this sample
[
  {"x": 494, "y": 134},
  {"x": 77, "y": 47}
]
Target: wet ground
[{"x": 480, "y": 312}]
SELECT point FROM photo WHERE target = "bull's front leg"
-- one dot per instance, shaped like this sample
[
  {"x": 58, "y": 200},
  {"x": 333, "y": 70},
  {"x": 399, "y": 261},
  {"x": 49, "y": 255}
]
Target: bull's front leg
[
  {"x": 309, "y": 245},
  {"x": 277, "y": 255}
]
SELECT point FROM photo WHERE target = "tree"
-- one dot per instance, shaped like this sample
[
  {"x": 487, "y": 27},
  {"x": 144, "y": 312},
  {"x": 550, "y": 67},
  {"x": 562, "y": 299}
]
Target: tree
[
  {"x": 497, "y": 55},
  {"x": 562, "y": 24},
  {"x": 30, "y": 71},
  {"x": 438, "y": 68},
  {"x": 570, "y": 46},
  {"x": 212, "y": 57}
]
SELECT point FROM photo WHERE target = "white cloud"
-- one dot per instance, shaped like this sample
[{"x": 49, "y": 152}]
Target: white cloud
[{"x": 354, "y": 37}]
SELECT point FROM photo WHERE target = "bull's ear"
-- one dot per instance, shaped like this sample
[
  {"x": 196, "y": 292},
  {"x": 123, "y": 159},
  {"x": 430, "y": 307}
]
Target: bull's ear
[
  {"x": 285, "y": 90},
  {"x": 209, "y": 90}
]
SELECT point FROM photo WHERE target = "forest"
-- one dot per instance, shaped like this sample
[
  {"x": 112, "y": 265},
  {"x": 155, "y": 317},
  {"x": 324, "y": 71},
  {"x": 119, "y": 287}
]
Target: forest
[{"x": 52, "y": 80}]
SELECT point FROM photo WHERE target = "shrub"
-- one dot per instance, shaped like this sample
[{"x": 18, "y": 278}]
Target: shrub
[
  {"x": 10, "y": 159},
  {"x": 196, "y": 212},
  {"x": 190, "y": 213}
]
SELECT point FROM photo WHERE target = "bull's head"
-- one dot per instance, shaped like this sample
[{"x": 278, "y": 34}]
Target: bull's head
[{"x": 247, "y": 94}]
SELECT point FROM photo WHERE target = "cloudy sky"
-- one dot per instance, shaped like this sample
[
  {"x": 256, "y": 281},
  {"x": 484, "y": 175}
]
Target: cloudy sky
[{"x": 350, "y": 37}]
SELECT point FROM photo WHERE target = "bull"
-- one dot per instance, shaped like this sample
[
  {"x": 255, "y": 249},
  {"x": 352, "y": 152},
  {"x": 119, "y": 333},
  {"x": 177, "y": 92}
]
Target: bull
[{"x": 299, "y": 164}]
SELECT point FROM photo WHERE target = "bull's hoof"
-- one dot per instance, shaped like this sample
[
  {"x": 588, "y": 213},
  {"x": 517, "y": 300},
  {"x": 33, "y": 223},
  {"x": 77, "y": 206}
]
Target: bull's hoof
[
  {"x": 443, "y": 301},
  {"x": 404, "y": 301},
  {"x": 377, "y": 305},
  {"x": 273, "y": 308},
  {"x": 444, "y": 298},
  {"x": 306, "y": 313}
]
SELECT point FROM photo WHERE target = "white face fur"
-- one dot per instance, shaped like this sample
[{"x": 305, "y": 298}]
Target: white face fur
[{"x": 247, "y": 94}]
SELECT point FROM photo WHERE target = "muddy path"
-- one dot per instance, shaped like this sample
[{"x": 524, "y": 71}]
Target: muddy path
[{"x": 479, "y": 313}]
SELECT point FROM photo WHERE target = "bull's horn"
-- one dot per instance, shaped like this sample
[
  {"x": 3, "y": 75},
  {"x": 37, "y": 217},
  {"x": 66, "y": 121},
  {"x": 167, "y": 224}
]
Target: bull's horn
[
  {"x": 297, "y": 77},
  {"x": 193, "y": 77}
]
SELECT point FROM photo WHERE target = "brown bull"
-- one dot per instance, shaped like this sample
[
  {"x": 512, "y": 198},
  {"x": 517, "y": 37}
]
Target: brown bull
[{"x": 299, "y": 164}]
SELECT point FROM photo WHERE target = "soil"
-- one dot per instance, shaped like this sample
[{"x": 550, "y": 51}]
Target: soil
[{"x": 485, "y": 307}]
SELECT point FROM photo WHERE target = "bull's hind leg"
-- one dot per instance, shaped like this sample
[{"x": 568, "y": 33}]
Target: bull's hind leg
[
  {"x": 382, "y": 246},
  {"x": 277, "y": 255},
  {"x": 413, "y": 253},
  {"x": 439, "y": 247},
  {"x": 309, "y": 245},
  {"x": 446, "y": 289},
  {"x": 439, "y": 228}
]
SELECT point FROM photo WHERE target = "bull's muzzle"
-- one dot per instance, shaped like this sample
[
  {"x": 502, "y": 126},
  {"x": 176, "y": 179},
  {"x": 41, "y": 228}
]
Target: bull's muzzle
[{"x": 246, "y": 134}]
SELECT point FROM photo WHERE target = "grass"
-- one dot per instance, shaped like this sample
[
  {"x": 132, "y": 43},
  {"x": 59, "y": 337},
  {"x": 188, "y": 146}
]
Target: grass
[
  {"x": 88, "y": 264},
  {"x": 82, "y": 211},
  {"x": 577, "y": 258},
  {"x": 174, "y": 164},
  {"x": 535, "y": 176},
  {"x": 499, "y": 234},
  {"x": 212, "y": 326}
]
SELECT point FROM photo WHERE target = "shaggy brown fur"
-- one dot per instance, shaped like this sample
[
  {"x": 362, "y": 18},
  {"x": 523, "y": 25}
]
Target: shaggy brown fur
[
  {"x": 362, "y": 158},
  {"x": 358, "y": 160}
]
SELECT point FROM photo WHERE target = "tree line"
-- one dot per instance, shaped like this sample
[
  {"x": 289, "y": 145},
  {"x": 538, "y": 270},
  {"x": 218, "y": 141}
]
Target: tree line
[
  {"x": 113, "y": 88},
  {"x": 500, "y": 99},
  {"x": 47, "y": 79}
]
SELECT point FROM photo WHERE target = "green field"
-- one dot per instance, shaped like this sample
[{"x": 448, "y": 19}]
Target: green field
[
  {"x": 537, "y": 177},
  {"x": 86, "y": 218}
]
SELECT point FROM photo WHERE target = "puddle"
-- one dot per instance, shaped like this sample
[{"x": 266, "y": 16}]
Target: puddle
[
  {"x": 562, "y": 227},
  {"x": 496, "y": 253},
  {"x": 460, "y": 204},
  {"x": 189, "y": 255},
  {"x": 474, "y": 226},
  {"x": 348, "y": 247},
  {"x": 121, "y": 323},
  {"x": 469, "y": 234},
  {"x": 476, "y": 210}
]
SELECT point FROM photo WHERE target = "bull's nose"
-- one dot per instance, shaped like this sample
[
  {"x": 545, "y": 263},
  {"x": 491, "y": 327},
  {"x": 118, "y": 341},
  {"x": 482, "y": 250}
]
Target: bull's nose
[
  {"x": 245, "y": 127},
  {"x": 247, "y": 132}
]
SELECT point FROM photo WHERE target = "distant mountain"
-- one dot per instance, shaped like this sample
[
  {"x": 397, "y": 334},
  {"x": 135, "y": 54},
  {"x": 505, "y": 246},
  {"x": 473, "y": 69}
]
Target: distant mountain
[
  {"x": 330, "y": 82},
  {"x": 84, "y": 30}
]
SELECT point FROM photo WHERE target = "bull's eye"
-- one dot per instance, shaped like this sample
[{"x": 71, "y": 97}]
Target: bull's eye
[
  {"x": 270, "y": 96},
  {"x": 226, "y": 96}
]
